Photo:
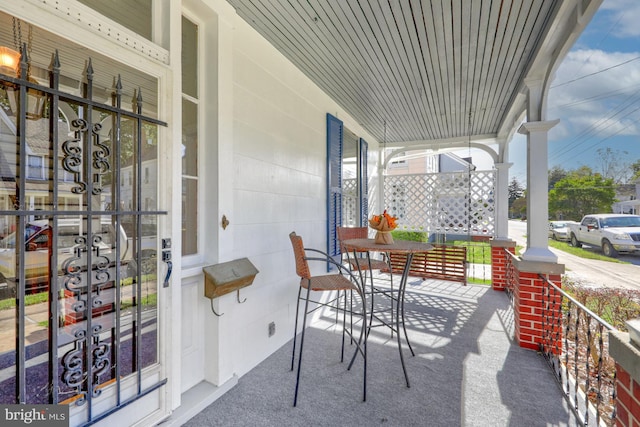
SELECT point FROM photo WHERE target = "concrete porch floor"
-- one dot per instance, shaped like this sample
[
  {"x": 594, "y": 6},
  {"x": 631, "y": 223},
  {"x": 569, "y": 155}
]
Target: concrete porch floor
[{"x": 467, "y": 371}]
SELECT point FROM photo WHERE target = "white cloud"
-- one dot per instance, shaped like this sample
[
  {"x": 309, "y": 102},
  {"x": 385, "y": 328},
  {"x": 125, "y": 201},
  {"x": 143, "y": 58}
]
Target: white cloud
[
  {"x": 595, "y": 93},
  {"x": 625, "y": 15},
  {"x": 595, "y": 102}
]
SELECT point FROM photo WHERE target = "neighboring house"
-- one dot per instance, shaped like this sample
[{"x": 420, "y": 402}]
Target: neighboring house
[
  {"x": 37, "y": 169},
  {"x": 628, "y": 197},
  {"x": 424, "y": 162},
  {"x": 429, "y": 192}
]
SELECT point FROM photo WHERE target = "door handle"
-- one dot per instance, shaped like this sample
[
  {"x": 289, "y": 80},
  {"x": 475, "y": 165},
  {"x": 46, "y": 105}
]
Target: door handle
[
  {"x": 168, "y": 275},
  {"x": 166, "y": 257}
]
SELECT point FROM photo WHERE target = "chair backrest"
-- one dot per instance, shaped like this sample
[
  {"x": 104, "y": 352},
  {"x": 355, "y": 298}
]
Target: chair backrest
[
  {"x": 346, "y": 233},
  {"x": 302, "y": 267}
]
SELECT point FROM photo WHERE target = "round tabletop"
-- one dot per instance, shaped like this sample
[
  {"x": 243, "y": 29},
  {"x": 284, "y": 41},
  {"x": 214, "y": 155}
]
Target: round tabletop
[{"x": 398, "y": 246}]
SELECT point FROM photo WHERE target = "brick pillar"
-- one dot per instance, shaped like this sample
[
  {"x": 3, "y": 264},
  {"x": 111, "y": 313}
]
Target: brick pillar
[
  {"x": 528, "y": 308},
  {"x": 625, "y": 351},
  {"x": 627, "y": 398},
  {"x": 499, "y": 262}
]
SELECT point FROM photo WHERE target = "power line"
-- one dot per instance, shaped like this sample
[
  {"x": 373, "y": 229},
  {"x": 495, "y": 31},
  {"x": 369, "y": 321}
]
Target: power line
[
  {"x": 594, "y": 73},
  {"x": 599, "y": 97},
  {"x": 597, "y": 45},
  {"x": 611, "y": 136},
  {"x": 600, "y": 126}
]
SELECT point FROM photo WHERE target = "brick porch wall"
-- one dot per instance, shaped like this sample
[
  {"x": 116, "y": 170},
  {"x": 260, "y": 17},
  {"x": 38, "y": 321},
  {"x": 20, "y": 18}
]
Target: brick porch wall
[
  {"x": 499, "y": 262},
  {"x": 528, "y": 309},
  {"x": 628, "y": 396},
  {"x": 527, "y": 292},
  {"x": 528, "y": 318},
  {"x": 626, "y": 353}
]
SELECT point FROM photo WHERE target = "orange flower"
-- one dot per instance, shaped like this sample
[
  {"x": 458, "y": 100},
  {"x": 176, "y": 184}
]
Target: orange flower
[{"x": 389, "y": 223}]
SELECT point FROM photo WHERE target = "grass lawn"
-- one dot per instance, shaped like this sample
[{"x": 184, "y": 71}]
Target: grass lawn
[{"x": 582, "y": 253}]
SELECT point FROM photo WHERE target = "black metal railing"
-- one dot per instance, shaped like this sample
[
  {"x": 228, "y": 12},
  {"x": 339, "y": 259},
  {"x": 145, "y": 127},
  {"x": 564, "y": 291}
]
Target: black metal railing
[{"x": 575, "y": 343}]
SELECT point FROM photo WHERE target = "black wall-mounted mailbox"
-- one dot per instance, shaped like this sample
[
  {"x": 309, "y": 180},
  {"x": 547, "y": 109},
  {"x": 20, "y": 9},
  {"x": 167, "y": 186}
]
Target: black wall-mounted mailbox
[{"x": 220, "y": 279}]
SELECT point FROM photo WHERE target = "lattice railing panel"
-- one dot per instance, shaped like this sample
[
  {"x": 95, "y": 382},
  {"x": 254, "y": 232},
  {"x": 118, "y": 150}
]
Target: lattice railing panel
[{"x": 454, "y": 202}]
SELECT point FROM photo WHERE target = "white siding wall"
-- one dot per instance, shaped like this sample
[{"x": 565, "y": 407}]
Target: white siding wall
[
  {"x": 277, "y": 184},
  {"x": 264, "y": 167}
]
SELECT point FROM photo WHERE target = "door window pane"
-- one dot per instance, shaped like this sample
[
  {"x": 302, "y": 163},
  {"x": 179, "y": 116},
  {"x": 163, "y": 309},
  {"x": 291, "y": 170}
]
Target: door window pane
[
  {"x": 190, "y": 137},
  {"x": 189, "y": 58},
  {"x": 189, "y": 216}
]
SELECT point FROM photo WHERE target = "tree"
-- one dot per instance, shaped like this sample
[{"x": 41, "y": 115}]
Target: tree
[
  {"x": 516, "y": 190},
  {"x": 635, "y": 168},
  {"x": 556, "y": 173},
  {"x": 612, "y": 164},
  {"x": 519, "y": 207},
  {"x": 580, "y": 193}
]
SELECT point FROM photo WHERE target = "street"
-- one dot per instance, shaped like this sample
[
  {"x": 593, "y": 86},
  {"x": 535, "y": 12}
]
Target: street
[{"x": 588, "y": 271}]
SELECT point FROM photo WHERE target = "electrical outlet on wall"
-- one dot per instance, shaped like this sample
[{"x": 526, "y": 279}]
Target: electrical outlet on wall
[{"x": 272, "y": 329}]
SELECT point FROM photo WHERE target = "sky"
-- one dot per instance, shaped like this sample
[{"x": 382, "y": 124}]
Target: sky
[{"x": 595, "y": 94}]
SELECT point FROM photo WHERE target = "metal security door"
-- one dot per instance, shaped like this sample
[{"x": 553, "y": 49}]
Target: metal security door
[{"x": 79, "y": 279}]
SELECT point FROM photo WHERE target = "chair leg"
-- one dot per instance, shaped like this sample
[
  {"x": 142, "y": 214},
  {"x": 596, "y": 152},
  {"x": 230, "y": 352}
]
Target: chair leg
[
  {"x": 344, "y": 324},
  {"x": 304, "y": 325},
  {"x": 295, "y": 328},
  {"x": 362, "y": 347},
  {"x": 363, "y": 341}
]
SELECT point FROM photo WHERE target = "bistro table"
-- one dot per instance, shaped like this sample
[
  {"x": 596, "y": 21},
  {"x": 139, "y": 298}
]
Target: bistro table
[{"x": 408, "y": 248}]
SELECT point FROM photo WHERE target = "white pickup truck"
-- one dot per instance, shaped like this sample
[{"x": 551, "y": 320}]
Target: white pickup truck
[{"x": 613, "y": 233}]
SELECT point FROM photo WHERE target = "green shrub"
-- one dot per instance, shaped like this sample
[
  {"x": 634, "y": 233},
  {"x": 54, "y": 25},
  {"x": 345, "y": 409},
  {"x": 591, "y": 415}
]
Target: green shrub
[
  {"x": 414, "y": 236},
  {"x": 614, "y": 305}
]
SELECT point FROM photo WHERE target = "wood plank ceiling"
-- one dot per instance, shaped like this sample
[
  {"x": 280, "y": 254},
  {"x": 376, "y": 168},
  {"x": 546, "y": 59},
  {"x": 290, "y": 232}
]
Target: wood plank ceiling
[{"x": 432, "y": 70}]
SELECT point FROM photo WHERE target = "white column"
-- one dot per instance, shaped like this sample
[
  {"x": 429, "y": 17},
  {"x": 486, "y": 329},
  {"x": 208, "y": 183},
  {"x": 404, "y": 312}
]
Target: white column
[
  {"x": 537, "y": 191},
  {"x": 380, "y": 202},
  {"x": 502, "y": 200}
]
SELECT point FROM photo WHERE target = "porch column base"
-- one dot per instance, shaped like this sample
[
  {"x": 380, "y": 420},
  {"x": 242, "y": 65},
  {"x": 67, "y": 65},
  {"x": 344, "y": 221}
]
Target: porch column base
[
  {"x": 528, "y": 308},
  {"x": 539, "y": 255}
]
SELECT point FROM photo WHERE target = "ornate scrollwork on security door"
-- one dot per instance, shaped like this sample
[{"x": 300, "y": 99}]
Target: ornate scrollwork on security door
[
  {"x": 73, "y": 366},
  {"x": 101, "y": 163},
  {"x": 72, "y": 155},
  {"x": 72, "y": 274},
  {"x": 101, "y": 352}
]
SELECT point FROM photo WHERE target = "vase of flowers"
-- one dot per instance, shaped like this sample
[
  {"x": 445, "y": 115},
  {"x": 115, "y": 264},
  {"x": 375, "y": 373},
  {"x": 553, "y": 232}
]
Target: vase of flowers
[{"x": 383, "y": 224}]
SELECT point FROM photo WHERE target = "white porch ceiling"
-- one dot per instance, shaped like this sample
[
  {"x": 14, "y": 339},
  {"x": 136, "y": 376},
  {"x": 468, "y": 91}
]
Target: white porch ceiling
[{"x": 438, "y": 72}]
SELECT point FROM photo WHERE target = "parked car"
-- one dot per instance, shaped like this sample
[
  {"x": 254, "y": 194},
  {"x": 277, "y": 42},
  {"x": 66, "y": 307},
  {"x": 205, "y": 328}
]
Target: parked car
[
  {"x": 613, "y": 233},
  {"x": 38, "y": 251},
  {"x": 558, "y": 230}
]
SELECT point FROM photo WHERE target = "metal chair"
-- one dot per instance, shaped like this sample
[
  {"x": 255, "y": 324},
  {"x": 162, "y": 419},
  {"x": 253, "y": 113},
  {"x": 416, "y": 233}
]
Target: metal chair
[
  {"x": 346, "y": 233},
  {"x": 361, "y": 264},
  {"x": 324, "y": 283}
]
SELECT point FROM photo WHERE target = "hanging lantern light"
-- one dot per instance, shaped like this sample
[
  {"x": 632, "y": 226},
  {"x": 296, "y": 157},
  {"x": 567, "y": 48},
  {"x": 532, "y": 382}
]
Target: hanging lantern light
[
  {"x": 9, "y": 60},
  {"x": 10, "y": 64}
]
